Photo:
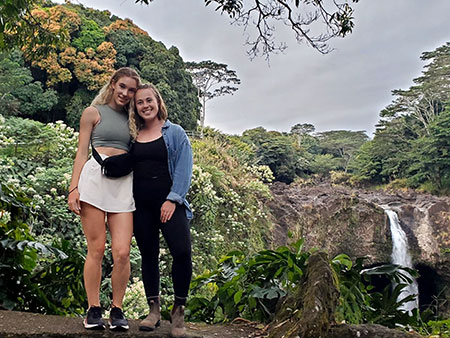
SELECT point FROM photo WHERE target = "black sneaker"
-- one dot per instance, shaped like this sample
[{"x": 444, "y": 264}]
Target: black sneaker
[
  {"x": 117, "y": 321},
  {"x": 93, "y": 320}
]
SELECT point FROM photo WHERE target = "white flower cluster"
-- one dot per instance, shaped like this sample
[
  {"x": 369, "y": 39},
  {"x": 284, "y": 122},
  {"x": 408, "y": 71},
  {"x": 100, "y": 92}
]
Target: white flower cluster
[
  {"x": 261, "y": 172},
  {"x": 4, "y": 140},
  {"x": 67, "y": 138},
  {"x": 202, "y": 190},
  {"x": 135, "y": 302},
  {"x": 5, "y": 217}
]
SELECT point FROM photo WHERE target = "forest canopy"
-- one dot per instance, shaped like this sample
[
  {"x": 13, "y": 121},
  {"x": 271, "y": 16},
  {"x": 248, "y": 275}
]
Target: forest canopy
[{"x": 59, "y": 84}]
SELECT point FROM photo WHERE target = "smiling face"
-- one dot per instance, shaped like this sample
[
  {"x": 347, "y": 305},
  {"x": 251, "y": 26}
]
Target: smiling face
[
  {"x": 147, "y": 105},
  {"x": 124, "y": 90}
]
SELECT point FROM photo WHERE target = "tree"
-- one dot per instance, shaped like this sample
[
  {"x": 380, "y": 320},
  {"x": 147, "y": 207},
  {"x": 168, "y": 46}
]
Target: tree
[
  {"x": 19, "y": 95},
  {"x": 367, "y": 164},
  {"x": 426, "y": 99},
  {"x": 91, "y": 35},
  {"x": 298, "y": 15},
  {"x": 98, "y": 44},
  {"x": 302, "y": 129},
  {"x": 18, "y": 27},
  {"x": 432, "y": 154},
  {"x": 275, "y": 150},
  {"x": 212, "y": 80},
  {"x": 12, "y": 76},
  {"x": 342, "y": 143}
]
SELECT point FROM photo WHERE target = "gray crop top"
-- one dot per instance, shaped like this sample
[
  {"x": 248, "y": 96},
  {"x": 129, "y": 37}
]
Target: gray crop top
[{"x": 112, "y": 130}]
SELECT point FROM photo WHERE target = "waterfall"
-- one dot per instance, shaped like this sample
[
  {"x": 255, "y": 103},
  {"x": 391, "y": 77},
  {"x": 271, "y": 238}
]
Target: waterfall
[{"x": 400, "y": 256}]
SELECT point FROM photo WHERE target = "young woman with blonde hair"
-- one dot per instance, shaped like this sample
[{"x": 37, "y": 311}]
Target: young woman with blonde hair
[{"x": 96, "y": 198}]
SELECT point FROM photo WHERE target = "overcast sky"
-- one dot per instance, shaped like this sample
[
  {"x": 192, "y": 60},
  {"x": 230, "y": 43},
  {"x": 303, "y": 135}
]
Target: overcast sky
[{"x": 345, "y": 89}]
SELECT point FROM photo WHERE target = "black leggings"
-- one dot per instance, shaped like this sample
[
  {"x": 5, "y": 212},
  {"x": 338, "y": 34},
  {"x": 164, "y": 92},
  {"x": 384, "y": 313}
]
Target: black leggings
[{"x": 176, "y": 233}]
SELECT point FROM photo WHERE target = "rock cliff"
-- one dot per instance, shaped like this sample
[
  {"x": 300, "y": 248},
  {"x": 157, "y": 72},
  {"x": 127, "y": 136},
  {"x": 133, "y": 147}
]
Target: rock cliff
[{"x": 339, "y": 219}]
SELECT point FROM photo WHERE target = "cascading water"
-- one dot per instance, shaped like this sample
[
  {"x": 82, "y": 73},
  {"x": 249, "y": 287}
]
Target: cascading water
[{"x": 400, "y": 256}]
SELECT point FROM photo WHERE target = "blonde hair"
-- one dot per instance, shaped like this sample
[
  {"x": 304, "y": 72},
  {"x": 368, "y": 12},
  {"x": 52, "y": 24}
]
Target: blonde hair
[
  {"x": 135, "y": 121},
  {"x": 105, "y": 94}
]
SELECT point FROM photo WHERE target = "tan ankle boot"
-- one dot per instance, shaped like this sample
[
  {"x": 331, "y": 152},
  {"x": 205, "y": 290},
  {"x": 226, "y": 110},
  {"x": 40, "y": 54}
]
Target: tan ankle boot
[
  {"x": 153, "y": 320},
  {"x": 177, "y": 330}
]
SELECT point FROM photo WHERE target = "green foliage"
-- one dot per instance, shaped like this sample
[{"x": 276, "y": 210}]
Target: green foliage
[
  {"x": 90, "y": 36},
  {"x": 226, "y": 195},
  {"x": 19, "y": 95},
  {"x": 38, "y": 161},
  {"x": 248, "y": 287},
  {"x": 79, "y": 101},
  {"x": 20, "y": 28},
  {"x": 361, "y": 303},
  {"x": 129, "y": 48},
  {"x": 341, "y": 144},
  {"x": 27, "y": 274},
  {"x": 367, "y": 163},
  {"x": 438, "y": 327},
  {"x": 34, "y": 101},
  {"x": 432, "y": 154},
  {"x": 274, "y": 150},
  {"x": 94, "y": 44},
  {"x": 411, "y": 141},
  {"x": 324, "y": 163}
]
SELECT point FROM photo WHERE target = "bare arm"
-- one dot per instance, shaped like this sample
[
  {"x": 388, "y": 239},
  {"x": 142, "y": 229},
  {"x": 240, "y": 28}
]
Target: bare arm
[{"x": 89, "y": 118}]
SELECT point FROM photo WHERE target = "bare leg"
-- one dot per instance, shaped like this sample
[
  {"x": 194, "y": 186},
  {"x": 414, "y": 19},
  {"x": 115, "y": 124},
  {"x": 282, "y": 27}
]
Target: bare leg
[
  {"x": 121, "y": 229},
  {"x": 93, "y": 221}
]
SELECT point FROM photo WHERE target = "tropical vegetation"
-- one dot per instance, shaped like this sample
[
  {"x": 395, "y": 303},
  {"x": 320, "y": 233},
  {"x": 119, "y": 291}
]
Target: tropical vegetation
[{"x": 238, "y": 272}]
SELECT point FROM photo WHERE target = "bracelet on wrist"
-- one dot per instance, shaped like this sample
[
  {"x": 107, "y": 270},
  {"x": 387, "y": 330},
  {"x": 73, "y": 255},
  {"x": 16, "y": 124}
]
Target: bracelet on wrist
[{"x": 73, "y": 189}]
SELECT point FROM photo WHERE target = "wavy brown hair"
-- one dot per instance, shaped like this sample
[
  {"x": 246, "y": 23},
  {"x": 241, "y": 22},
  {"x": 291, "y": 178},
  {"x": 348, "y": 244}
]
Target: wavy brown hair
[{"x": 137, "y": 122}]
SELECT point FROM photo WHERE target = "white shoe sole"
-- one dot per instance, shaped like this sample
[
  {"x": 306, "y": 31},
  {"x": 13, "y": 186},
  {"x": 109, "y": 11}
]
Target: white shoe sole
[{"x": 93, "y": 326}]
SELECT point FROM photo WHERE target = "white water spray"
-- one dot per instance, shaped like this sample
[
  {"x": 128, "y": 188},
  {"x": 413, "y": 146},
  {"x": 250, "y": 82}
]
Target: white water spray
[{"x": 400, "y": 256}]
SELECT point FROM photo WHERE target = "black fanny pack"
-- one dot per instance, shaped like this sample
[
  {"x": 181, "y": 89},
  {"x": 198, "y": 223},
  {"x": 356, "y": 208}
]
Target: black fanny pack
[{"x": 114, "y": 166}]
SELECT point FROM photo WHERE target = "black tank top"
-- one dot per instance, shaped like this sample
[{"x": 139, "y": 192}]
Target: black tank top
[{"x": 151, "y": 160}]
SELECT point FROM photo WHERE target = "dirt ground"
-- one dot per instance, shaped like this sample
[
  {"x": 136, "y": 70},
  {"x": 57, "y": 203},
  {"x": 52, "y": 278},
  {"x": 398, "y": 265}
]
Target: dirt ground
[{"x": 15, "y": 324}]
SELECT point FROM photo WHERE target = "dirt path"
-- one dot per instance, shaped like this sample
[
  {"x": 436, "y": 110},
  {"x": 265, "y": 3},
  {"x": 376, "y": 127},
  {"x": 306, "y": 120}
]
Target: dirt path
[{"x": 15, "y": 324}]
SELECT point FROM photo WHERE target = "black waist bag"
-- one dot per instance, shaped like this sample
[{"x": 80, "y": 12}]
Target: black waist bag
[{"x": 115, "y": 166}]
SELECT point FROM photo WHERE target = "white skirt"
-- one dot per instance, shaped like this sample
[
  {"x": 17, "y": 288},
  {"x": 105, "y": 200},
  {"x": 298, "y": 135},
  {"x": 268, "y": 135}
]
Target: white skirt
[{"x": 104, "y": 193}]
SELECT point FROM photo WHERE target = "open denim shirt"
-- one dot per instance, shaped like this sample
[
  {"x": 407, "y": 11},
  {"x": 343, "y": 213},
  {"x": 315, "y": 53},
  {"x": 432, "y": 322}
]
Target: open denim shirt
[{"x": 179, "y": 153}]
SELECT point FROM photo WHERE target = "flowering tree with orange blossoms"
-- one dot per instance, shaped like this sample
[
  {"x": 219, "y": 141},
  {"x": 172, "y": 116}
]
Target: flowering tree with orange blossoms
[
  {"x": 55, "y": 73},
  {"x": 59, "y": 21},
  {"x": 93, "y": 67},
  {"x": 126, "y": 24},
  {"x": 55, "y": 19}
]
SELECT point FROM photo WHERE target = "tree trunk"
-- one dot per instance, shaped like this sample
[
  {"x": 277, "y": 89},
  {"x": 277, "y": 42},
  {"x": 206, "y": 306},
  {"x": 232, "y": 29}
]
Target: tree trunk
[{"x": 309, "y": 312}]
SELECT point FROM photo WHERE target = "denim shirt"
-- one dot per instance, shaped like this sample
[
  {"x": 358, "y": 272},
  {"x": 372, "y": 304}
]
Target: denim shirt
[{"x": 179, "y": 153}]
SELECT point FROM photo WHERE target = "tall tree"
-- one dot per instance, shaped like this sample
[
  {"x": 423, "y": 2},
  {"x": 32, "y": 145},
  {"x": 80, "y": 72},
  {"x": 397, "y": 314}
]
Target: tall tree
[
  {"x": 425, "y": 100},
  {"x": 212, "y": 80},
  {"x": 19, "y": 27},
  {"x": 300, "y": 130},
  {"x": 431, "y": 154},
  {"x": 342, "y": 143}
]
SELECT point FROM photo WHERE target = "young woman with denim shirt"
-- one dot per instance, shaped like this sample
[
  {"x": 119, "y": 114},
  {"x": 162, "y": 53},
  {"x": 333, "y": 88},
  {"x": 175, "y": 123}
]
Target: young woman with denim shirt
[
  {"x": 162, "y": 176},
  {"x": 96, "y": 197}
]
